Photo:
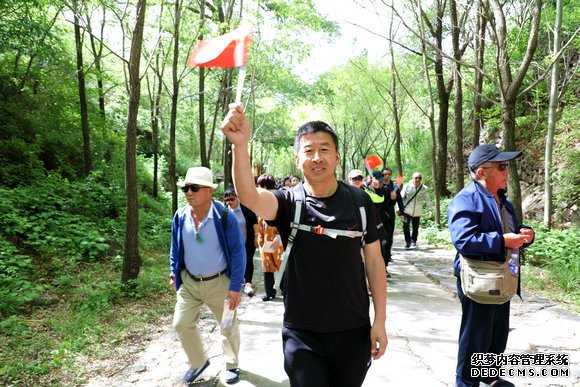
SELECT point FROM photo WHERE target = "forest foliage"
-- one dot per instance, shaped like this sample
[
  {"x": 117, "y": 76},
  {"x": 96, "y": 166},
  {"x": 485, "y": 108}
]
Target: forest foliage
[{"x": 63, "y": 224}]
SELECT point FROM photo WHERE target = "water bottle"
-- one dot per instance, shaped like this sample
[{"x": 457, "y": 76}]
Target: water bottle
[{"x": 515, "y": 262}]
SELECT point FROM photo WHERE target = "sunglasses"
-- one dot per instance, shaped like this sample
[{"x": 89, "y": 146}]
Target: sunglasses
[
  {"x": 418, "y": 178},
  {"x": 227, "y": 200},
  {"x": 500, "y": 167},
  {"x": 193, "y": 188},
  {"x": 356, "y": 178}
]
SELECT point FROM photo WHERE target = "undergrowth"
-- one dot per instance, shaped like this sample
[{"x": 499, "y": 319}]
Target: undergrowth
[{"x": 61, "y": 297}]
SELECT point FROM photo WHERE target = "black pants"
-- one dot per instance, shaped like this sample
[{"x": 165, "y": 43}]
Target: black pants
[
  {"x": 385, "y": 252},
  {"x": 269, "y": 284},
  {"x": 484, "y": 329},
  {"x": 414, "y": 220},
  {"x": 390, "y": 231},
  {"x": 315, "y": 359},
  {"x": 249, "y": 275}
]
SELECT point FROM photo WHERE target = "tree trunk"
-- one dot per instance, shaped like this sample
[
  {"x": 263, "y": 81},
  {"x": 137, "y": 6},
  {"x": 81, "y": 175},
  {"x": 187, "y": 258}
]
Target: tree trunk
[
  {"x": 82, "y": 92},
  {"x": 395, "y": 104},
  {"x": 202, "y": 149},
  {"x": 442, "y": 127},
  {"x": 431, "y": 117},
  {"x": 443, "y": 93},
  {"x": 174, "y": 100},
  {"x": 97, "y": 49},
  {"x": 155, "y": 111},
  {"x": 132, "y": 259},
  {"x": 155, "y": 100},
  {"x": 509, "y": 143},
  {"x": 100, "y": 85},
  {"x": 552, "y": 111},
  {"x": 478, "y": 76},
  {"x": 458, "y": 104}
]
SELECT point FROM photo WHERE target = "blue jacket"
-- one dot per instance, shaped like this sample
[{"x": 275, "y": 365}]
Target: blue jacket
[
  {"x": 231, "y": 243},
  {"x": 476, "y": 226}
]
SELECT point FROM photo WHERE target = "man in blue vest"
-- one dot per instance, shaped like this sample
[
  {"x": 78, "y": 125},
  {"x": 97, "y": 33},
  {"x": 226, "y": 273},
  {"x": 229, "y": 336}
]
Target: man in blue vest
[
  {"x": 476, "y": 223},
  {"x": 208, "y": 259}
]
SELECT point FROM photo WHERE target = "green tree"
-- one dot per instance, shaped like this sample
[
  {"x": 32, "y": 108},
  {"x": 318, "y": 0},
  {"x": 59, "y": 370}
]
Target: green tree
[
  {"x": 509, "y": 84},
  {"x": 132, "y": 259}
]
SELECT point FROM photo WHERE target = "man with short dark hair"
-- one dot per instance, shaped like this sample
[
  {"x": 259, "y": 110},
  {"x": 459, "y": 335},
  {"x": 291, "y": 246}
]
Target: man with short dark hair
[
  {"x": 392, "y": 197},
  {"x": 377, "y": 194},
  {"x": 477, "y": 215},
  {"x": 327, "y": 336},
  {"x": 207, "y": 260}
]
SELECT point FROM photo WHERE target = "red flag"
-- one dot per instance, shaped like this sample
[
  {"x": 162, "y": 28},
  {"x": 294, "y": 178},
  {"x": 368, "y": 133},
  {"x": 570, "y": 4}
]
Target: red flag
[
  {"x": 225, "y": 51},
  {"x": 373, "y": 162},
  {"x": 399, "y": 180}
]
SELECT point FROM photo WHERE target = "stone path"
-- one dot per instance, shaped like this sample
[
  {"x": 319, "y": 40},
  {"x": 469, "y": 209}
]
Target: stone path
[{"x": 423, "y": 316}]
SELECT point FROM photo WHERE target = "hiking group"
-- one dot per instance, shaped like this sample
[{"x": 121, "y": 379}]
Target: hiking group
[{"x": 326, "y": 245}]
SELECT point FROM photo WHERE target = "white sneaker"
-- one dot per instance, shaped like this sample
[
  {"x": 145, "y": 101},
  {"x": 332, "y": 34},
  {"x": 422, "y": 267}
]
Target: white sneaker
[
  {"x": 248, "y": 289},
  {"x": 413, "y": 245}
]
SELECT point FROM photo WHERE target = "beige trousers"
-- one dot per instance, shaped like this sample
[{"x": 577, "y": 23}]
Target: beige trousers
[{"x": 190, "y": 298}]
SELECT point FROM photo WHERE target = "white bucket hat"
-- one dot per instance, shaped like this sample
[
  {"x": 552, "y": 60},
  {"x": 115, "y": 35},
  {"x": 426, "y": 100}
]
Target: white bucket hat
[{"x": 200, "y": 176}]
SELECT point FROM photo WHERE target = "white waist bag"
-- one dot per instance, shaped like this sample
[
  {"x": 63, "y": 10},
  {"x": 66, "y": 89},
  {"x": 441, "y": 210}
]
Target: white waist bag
[{"x": 489, "y": 282}]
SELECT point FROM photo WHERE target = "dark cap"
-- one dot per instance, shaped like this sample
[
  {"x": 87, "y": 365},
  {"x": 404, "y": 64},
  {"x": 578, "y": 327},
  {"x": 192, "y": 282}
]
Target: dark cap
[
  {"x": 489, "y": 152},
  {"x": 378, "y": 175}
]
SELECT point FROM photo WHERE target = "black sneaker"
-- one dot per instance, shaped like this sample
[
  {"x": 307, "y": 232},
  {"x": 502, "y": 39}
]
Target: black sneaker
[
  {"x": 408, "y": 246},
  {"x": 232, "y": 375},
  {"x": 193, "y": 374}
]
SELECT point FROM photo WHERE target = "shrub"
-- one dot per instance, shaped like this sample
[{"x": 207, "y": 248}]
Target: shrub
[{"x": 558, "y": 251}]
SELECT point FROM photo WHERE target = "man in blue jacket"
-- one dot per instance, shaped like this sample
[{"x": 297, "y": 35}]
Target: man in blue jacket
[
  {"x": 208, "y": 260},
  {"x": 476, "y": 226}
]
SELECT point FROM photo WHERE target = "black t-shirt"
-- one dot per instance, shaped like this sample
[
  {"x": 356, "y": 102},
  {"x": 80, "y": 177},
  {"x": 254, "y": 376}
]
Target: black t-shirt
[
  {"x": 325, "y": 286},
  {"x": 390, "y": 203}
]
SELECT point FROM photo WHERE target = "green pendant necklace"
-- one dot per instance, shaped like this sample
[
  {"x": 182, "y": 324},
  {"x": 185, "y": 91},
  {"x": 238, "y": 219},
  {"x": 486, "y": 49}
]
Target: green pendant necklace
[{"x": 198, "y": 237}]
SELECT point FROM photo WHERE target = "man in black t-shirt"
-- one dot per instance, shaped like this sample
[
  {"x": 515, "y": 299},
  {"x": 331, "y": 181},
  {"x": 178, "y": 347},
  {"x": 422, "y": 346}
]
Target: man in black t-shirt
[
  {"x": 327, "y": 335},
  {"x": 393, "y": 196}
]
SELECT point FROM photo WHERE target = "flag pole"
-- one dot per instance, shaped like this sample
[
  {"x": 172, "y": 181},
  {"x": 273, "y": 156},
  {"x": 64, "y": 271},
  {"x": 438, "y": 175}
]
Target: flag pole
[{"x": 240, "y": 87}]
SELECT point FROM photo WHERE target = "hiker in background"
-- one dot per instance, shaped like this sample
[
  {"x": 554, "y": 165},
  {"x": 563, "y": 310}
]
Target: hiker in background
[
  {"x": 270, "y": 244},
  {"x": 414, "y": 196},
  {"x": 327, "y": 335},
  {"x": 476, "y": 223},
  {"x": 377, "y": 194},
  {"x": 287, "y": 182},
  {"x": 356, "y": 178},
  {"x": 207, "y": 260},
  {"x": 248, "y": 222},
  {"x": 294, "y": 180},
  {"x": 392, "y": 197}
]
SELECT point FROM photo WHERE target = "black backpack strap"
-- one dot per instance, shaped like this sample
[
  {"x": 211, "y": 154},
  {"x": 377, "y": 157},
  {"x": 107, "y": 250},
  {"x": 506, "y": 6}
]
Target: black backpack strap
[
  {"x": 225, "y": 211},
  {"x": 413, "y": 197},
  {"x": 298, "y": 192}
]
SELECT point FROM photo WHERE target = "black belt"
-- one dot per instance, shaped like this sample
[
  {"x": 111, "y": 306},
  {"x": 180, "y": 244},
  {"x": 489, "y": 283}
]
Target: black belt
[{"x": 208, "y": 278}]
